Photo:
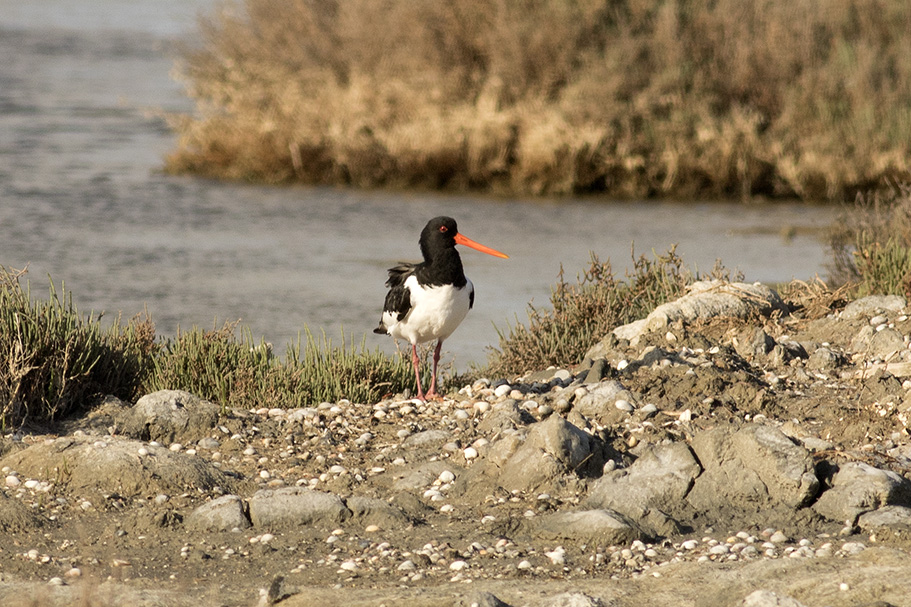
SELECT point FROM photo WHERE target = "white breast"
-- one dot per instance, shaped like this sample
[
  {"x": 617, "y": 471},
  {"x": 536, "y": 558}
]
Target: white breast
[{"x": 435, "y": 312}]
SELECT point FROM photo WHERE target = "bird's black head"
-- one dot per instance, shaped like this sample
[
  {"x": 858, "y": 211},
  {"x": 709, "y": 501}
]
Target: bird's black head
[{"x": 439, "y": 234}]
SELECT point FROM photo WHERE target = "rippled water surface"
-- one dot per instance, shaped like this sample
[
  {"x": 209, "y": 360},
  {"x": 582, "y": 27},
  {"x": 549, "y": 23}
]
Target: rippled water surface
[{"x": 82, "y": 87}]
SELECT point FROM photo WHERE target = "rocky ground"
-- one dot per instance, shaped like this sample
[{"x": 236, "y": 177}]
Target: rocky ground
[{"x": 730, "y": 449}]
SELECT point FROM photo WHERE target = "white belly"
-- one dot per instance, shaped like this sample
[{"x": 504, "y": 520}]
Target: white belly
[{"x": 435, "y": 312}]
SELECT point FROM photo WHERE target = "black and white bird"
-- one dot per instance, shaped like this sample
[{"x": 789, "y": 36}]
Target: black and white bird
[{"x": 428, "y": 300}]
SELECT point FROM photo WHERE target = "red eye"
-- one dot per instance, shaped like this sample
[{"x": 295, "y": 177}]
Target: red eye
[{"x": 444, "y": 229}]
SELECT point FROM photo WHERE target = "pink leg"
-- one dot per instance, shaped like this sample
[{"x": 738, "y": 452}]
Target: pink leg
[
  {"x": 417, "y": 373},
  {"x": 432, "y": 392}
]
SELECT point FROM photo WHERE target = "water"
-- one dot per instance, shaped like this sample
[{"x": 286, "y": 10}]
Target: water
[{"x": 83, "y": 85}]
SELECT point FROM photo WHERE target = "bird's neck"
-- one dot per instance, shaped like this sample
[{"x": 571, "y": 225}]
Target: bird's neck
[{"x": 444, "y": 267}]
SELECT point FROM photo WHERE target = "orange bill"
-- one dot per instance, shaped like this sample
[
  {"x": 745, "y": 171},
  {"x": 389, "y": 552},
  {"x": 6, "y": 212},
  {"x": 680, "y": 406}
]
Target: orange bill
[{"x": 460, "y": 239}]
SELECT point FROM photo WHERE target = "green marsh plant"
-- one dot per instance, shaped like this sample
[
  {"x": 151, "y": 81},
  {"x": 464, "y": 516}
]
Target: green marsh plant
[
  {"x": 871, "y": 244},
  {"x": 54, "y": 360}
]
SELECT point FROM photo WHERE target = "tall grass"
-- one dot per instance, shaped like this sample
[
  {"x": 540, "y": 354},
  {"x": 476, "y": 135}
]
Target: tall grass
[
  {"x": 54, "y": 359},
  {"x": 232, "y": 371},
  {"x": 629, "y": 98},
  {"x": 871, "y": 244}
]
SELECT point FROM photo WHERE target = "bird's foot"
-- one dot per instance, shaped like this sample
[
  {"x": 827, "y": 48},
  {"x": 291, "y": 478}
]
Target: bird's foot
[{"x": 432, "y": 395}]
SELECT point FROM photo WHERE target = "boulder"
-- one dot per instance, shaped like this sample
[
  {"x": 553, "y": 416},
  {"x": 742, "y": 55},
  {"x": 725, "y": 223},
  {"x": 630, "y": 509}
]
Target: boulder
[
  {"x": 896, "y": 519},
  {"x": 704, "y": 300},
  {"x": 117, "y": 465},
  {"x": 222, "y": 514},
  {"x": 374, "y": 511},
  {"x": 858, "y": 487},
  {"x": 753, "y": 467},
  {"x": 599, "y": 402},
  {"x": 653, "y": 485},
  {"x": 574, "y": 599},
  {"x": 598, "y": 527},
  {"x": 867, "y": 307},
  {"x": 767, "y": 598},
  {"x": 551, "y": 449},
  {"x": 167, "y": 416},
  {"x": 296, "y": 506}
]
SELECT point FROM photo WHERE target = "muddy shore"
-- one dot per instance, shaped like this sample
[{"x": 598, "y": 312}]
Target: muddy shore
[{"x": 731, "y": 449}]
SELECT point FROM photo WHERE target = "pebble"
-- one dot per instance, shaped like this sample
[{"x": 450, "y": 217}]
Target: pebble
[
  {"x": 557, "y": 556},
  {"x": 623, "y": 405},
  {"x": 852, "y": 548},
  {"x": 778, "y": 538},
  {"x": 524, "y": 565},
  {"x": 502, "y": 390},
  {"x": 649, "y": 409},
  {"x": 470, "y": 453},
  {"x": 458, "y": 565}
]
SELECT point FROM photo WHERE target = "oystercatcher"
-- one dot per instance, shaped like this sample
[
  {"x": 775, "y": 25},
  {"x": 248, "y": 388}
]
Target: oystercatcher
[{"x": 428, "y": 300}]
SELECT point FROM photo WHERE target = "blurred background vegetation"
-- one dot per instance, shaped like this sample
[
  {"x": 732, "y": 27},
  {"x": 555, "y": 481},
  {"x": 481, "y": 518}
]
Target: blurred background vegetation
[{"x": 626, "y": 98}]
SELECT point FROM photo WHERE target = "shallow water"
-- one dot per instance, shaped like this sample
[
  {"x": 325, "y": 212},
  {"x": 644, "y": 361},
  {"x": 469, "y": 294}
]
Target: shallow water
[{"x": 82, "y": 86}]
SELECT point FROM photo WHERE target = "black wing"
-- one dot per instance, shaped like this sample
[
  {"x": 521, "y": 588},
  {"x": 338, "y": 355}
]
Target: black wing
[{"x": 398, "y": 299}]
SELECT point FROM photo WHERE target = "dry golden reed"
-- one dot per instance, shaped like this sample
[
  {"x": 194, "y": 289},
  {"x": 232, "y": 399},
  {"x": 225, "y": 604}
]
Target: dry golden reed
[{"x": 629, "y": 98}]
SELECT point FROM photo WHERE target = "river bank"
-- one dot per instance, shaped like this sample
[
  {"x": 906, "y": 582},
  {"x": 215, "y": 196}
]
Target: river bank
[{"x": 731, "y": 443}]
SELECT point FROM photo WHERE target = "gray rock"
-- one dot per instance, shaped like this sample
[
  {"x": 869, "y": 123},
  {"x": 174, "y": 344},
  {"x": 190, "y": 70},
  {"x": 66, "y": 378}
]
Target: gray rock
[
  {"x": 752, "y": 467},
  {"x": 767, "y": 598},
  {"x": 222, "y": 514},
  {"x": 481, "y": 599},
  {"x": 167, "y": 416},
  {"x": 861, "y": 341},
  {"x": 886, "y": 343},
  {"x": 504, "y": 415},
  {"x": 872, "y": 305},
  {"x": 116, "y": 465},
  {"x": 659, "y": 480},
  {"x": 892, "y": 518},
  {"x": 560, "y": 439},
  {"x": 551, "y": 449},
  {"x": 421, "y": 477},
  {"x": 707, "y": 299},
  {"x": 785, "y": 351},
  {"x": 427, "y": 439},
  {"x": 858, "y": 487},
  {"x": 599, "y": 369},
  {"x": 753, "y": 343},
  {"x": 603, "y": 527},
  {"x": 574, "y": 599},
  {"x": 823, "y": 359},
  {"x": 599, "y": 402},
  {"x": 374, "y": 511},
  {"x": 292, "y": 506}
]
